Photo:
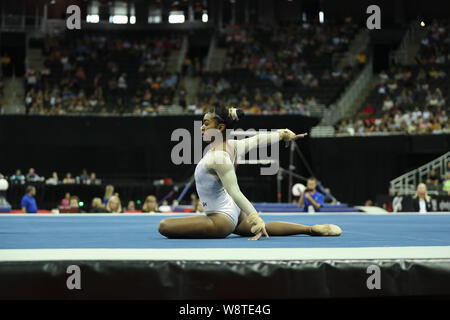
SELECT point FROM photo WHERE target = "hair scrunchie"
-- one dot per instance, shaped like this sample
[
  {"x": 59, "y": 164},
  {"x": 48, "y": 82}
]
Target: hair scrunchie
[{"x": 232, "y": 112}]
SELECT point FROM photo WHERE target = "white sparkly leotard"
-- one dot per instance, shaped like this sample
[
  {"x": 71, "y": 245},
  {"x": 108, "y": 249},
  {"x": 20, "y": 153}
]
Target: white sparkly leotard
[
  {"x": 211, "y": 192},
  {"x": 216, "y": 180}
]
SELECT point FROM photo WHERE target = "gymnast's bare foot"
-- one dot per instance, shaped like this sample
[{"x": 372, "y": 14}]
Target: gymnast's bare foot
[{"x": 325, "y": 230}]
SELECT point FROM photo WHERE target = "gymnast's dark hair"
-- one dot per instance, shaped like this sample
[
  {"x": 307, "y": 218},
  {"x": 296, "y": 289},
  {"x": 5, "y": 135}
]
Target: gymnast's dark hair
[{"x": 222, "y": 115}]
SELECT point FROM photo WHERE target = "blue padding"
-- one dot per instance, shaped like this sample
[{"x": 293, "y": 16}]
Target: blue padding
[
  {"x": 141, "y": 231},
  {"x": 180, "y": 208},
  {"x": 5, "y": 209}
]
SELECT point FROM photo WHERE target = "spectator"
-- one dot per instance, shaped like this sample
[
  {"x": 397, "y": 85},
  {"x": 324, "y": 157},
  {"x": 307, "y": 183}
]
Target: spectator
[
  {"x": 93, "y": 179},
  {"x": 65, "y": 202},
  {"x": 53, "y": 180},
  {"x": 32, "y": 176},
  {"x": 433, "y": 179},
  {"x": 446, "y": 183},
  {"x": 84, "y": 177},
  {"x": 421, "y": 202},
  {"x": 361, "y": 60},
  {"x": 114, "y": 205},
  {"x": 122, "y": 84},
  {"x": 150, "y": 204},
  {"x": 388, "y": 103},
  {"x": 97, "y": 206},
  {"x": 28, "y": 202},
  {"x": 18, "y": 177},
  {"x": 6, "y": 64},
  {"x": 74, "y": 204},
  {"x": 448, "y": 168},
  {"x": 164, "y": 207},
  {"x": 109, "y": 191},
  {"x": 310, "y": 199},
  {"x": 68, "y": 179},
  {"x": 131, "y": 206}
]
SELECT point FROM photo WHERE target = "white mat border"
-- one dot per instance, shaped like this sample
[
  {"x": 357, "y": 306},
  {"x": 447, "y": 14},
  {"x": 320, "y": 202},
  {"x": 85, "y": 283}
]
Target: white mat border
[{"x": 222, "y": 254}]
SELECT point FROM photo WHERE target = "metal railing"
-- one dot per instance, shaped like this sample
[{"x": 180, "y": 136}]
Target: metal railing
[
  {"x": 406, "y": 184},
  {"x": 11, "y": 22},
  {"x": 212, "y": 46},
  {"x": 347, "y": 100},
  {"x": 412, "y": 34},
  {"x": 358, "y": 45},
  {"x": 183, "y": 52}
]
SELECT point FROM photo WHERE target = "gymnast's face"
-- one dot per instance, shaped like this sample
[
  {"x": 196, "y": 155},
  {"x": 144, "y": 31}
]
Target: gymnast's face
[{"x": 210, "y": 127}]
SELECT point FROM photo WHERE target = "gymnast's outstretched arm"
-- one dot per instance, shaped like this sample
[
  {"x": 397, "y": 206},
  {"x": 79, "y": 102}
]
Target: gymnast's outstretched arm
[{"x": 243, "y": 146}]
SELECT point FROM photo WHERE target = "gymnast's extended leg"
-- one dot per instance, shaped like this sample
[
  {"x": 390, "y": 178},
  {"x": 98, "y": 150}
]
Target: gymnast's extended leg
[{"x": 279, "y": 228}]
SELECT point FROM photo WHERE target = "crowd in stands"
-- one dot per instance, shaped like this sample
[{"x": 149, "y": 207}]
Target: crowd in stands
[
  {"x": 84, "y": 178},
  {"x": 102, "y": 74},
  {"x": 434, "y": 47},
  {"x": 410, "y": 99},
  {"x": 440, "y": 183},
  {"x": 287, "y": 69},
  {"x": 407, "y": 99},
  {"x": 109, "y": 203}
]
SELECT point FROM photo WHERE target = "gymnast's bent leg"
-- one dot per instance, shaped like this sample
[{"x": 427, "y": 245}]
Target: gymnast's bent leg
[
  {"x": 279, "y": 228},
  {"x": 213, "y": 225}
]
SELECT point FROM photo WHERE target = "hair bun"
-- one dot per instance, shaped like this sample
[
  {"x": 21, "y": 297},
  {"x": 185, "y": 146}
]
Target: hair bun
[{"x": 235, "y": 114}]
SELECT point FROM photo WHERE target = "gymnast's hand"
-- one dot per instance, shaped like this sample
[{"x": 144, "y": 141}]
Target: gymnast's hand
[
  {"x": 258, "y": 226},
  {"x": 288, "y": 135}
]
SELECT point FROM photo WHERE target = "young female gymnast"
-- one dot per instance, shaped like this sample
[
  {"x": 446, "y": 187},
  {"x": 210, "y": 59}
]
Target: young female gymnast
[{"x": 227, "y": 210}]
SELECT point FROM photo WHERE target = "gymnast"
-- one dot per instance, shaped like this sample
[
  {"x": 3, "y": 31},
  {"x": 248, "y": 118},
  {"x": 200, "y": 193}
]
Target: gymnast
[{"x": 226, "y": 209}]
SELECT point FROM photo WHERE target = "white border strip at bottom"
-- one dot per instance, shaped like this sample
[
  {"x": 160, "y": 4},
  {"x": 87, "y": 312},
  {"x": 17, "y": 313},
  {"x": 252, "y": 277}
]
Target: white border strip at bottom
[{"x": 369, "y": 253}]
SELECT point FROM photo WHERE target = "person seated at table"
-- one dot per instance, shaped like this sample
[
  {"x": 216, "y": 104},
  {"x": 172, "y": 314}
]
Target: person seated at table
[
  {"x": 84, "y": 177},
  {"x": 53, "y": 180},
  {"x": 97, "y": 206},
  {"x": 65, "y": 202},
  {"x": 68, "y": 179},
  {"x": 421, "y": 202},
  {"x": 74, "y": 203},
  {"x": 114, "y": 205},
  {"x": 131, "y": 206},
  {"x": 93, "y": 179},
  {"x": 32, "y": 176},
  {"x": 150, "y": 204},
  {"x": 18, "y": 177},
  {"x": 165, "y": 207},
  {"x": 73, "y": 207}
]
